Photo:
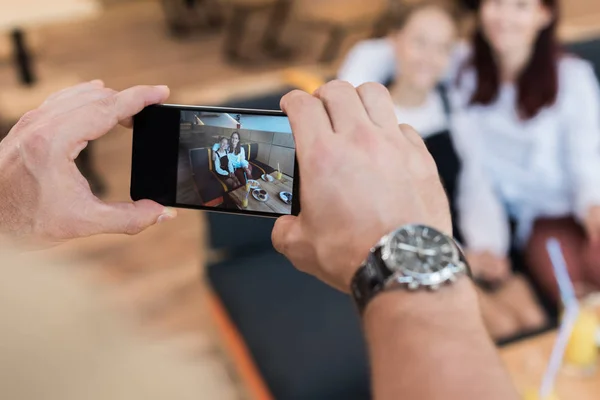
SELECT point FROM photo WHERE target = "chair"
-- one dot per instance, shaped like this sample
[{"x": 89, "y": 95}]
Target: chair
[
  {"x": 291, "y": 336},
  {"x": 339, "y": 18},
  {"x": 209, "y": 185},
  {"x": 258, "y": 168},
  {"x": 184, "y": 15},
  {"x": 241, "y": 11}
]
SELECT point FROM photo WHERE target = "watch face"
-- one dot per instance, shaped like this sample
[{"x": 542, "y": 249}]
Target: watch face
[{"x": 420, "y": 252}]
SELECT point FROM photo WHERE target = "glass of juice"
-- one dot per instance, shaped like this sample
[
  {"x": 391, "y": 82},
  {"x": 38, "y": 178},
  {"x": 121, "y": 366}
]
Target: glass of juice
[
  {"x": 581, "y": 354},
  {"x": 534, "y": 394},
  {"x": 245, "y": 199}
]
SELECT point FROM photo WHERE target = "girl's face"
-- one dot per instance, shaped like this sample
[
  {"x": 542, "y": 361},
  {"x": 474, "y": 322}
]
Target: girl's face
[
  {"x": 235, "y": 139},
  {"x": 224, "y": 144},
  {"x": 512, "y": 26},
  {"x": 424, "y": 46}
]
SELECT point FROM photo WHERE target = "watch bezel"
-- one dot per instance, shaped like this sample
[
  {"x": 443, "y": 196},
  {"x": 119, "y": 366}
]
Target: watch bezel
[{"x": 431, "y": 279}]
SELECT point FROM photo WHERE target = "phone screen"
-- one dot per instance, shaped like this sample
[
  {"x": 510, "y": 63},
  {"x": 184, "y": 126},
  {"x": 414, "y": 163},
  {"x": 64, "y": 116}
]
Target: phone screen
[{"x": 234, "y": 161}]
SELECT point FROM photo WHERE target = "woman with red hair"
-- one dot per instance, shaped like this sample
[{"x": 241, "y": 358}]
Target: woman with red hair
[
  {"x": 526, "y": 124},
  {"x": 530, "y": 131}
]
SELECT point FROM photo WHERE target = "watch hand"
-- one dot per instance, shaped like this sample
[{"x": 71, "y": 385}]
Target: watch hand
[
  {"x": 408, "y": 247},
  {"x": 419, "y": 241}
]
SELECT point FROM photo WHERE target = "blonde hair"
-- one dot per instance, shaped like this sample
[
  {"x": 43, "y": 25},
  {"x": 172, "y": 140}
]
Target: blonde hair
[{"x": 60, "y": 340}]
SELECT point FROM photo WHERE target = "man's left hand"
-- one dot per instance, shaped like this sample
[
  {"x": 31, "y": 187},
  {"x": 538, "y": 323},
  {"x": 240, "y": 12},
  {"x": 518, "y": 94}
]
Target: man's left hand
[{"x": 43, "y": 196}]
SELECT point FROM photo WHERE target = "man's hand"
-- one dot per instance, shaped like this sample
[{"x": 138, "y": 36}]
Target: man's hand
[
  {"x": 43, "y": 196},
  {"x": 362, "y": 177},
  {"x": 592, "y": 225}
]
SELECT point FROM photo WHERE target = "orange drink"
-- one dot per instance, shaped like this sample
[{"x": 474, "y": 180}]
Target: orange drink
[
  {"x": 534, "y": 394},
  {"x": 581, "y": 354}
]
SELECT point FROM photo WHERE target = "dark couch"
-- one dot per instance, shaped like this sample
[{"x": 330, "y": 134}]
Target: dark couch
[
  {"x": 303, "y": 336},
  {"x": 210, "y": 185}
]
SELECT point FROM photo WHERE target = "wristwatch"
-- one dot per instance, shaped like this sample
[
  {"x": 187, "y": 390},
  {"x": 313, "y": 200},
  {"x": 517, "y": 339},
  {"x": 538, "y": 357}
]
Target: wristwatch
[{"x": 412, "y": 257}]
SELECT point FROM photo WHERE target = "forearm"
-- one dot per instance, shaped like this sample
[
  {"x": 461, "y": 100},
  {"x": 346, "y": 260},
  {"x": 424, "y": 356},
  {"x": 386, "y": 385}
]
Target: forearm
[{"x": 426, "y": 345}]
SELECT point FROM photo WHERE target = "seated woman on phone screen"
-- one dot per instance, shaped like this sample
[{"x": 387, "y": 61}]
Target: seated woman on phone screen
[
  {"x": 223, "y": 164},
  {"x": 415, "y": 58},
  {"x": 237, "y": 156}
]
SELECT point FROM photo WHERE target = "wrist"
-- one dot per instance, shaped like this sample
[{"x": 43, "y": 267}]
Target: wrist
[{"x": 452, "y": 305}]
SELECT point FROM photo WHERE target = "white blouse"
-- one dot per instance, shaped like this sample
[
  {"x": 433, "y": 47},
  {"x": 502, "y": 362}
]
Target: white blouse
[
  {"x": 548, "y": 166},
  {"x": 428, "y": 119}
]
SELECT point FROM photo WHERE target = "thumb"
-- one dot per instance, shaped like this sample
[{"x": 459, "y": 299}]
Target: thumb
[
  {"x": 131, "y": 218},
  {"x": 282, "y": 230}
]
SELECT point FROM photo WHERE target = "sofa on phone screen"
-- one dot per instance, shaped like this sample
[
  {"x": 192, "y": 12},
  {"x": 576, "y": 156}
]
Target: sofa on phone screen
[{"x": 209, "y": 185}]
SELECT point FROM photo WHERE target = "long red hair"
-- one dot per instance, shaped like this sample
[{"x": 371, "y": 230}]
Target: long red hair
[{"x": 537, "y": 86}]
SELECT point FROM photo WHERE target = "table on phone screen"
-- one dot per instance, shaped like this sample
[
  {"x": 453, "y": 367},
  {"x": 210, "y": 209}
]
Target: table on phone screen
[{"x": 274, "y": 204}]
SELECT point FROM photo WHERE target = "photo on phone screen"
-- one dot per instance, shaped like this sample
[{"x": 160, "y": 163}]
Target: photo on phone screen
[{"x": 235, "y": 161}]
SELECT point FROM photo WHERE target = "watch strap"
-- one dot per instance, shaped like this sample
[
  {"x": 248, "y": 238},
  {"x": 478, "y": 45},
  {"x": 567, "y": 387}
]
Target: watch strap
[{"x": 370, "y": 279}]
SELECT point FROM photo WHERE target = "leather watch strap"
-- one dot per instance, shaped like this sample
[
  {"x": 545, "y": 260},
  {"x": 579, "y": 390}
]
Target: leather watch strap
[{"x": 370, "y": 278}]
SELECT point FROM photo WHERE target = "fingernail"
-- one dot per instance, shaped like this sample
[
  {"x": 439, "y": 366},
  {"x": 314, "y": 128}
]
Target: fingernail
[
  {"x": 97, "y": 82},
  {"x": 167, "y": 215},
  {"x": 161, "y": 86}
]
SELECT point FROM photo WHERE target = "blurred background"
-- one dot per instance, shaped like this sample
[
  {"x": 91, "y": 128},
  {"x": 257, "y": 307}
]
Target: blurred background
[{"x": 189, "y": 280}]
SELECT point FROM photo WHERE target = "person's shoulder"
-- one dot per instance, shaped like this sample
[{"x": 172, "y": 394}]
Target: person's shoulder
[
  {"x": 572, "y": 68},
  {"x": 371, "y": 60},
  {"x": 374, "y": 46},
  {"x": 576, "y": 76}
]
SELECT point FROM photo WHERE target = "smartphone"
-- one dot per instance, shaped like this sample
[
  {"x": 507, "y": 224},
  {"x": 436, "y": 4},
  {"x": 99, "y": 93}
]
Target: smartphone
[{"x": 216, "y": 159}]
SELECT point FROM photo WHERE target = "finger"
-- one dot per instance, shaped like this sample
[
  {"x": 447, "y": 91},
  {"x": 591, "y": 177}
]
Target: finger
[
  {"x": 344, "y": 106},
  {"x": 70, "y": 103},
  {"x": 378, "y": 104},
  {"x": 128, "y": 218},
  {"x": 413, "y": 136},
  {"x": 96, "y": 119},
  {"x": 308, "y": 119},
  {"x": 74, "y": 90},
  {"x": 282, "y": 233},
  {"x": 128, "y": 122}
]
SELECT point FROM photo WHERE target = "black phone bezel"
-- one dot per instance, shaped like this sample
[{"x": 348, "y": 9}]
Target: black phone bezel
[{"x": 155, "y": 155}]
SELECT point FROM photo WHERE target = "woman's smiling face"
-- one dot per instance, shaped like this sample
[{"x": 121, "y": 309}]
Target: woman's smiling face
[
  {"x": 235, "y": 139},
  {"x": 224, "y": 144}
]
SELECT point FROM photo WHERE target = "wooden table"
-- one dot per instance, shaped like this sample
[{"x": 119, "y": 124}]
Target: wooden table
[
  {"x": 526, "y": 362},
  {"x": 274, "y": 204}
]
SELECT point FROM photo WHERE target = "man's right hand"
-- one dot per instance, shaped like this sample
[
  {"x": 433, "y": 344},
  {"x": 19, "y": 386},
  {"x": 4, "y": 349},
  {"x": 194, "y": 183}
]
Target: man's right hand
[
  {"x": 362, "y": 177},
  {"x": 43, "y": 196}
]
